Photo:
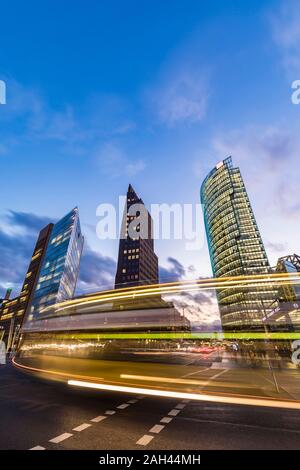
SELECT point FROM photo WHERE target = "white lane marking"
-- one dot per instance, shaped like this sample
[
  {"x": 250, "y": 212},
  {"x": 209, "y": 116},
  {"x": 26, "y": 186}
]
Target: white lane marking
[
  {"x": 173, "y": 412},
  {"x": 197, "y": 372},
  {"x": 81, "y": 427},
  {"x": 143, "y": 441},
  {"x": 132, "y": 401},
  {"x": 217, "y": 375},
  {"x": 37, "y": 448},
  {"x": 185, "y": 401},
  {"x": 98, "y": 419},
  {"x": 166, "y": 420},
  {"x": 123, "y": 406},
  {"x": 61, "y": 437},
  {"x": 180, "y": 406},
  {"x": 157, "y": 428},
  {"x": 110, "y": 412}
]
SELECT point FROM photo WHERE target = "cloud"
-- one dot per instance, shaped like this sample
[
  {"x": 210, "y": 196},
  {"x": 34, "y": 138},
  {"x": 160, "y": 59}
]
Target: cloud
[
  {"x": 183, "y": 99},
  {"x": 174, "y": 272},
  {"x": 18, "y": 235},
  {"x": 200, "y": 307},
  {"x": 270, "y": 155},
  {"x": 180, "y": 93},
  {"x": 285, "y": 28},
  {"x": 73, "y": 129},
  {"x": 114, "y": 162},
  {"x": 275, "y": 247},
  {"x": 270, "y": 146},
  {"x": 27, "y": 220},
  {"x": 97, "y": 272},
  {"x": 269, "y": 160}
]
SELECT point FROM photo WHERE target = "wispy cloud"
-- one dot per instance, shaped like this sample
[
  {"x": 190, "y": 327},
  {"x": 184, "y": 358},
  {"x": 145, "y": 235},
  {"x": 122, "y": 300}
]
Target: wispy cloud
[
  {"x": 269, "y": 159},
  {"x": 285, "y": 28},
  {"x": 18, "y": 235},
  {"x": 175, "y": 271},
  {"x": 272, "y": 147},
  {"x": 73, "y": 129},
  {"x": 114, "y": 162},
  {"x": 200, "y": 307},
  {"x": 97, "y": 272},
  {"x": 180, "y": 93}
]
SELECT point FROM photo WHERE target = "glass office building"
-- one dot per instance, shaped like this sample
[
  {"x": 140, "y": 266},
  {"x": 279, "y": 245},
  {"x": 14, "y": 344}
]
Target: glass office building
[
  {"x": 59, "y": 272},
  {"x": 235, "y": 245}
]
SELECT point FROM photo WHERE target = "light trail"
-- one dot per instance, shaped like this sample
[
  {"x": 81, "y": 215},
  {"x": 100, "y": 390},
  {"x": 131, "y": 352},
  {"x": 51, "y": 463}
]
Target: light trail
[
  {"x": 234, "y": 399},
  {"x": 182, "y": 335},
  {"x": 52, "y": 372},
  {"x": 181, "y": 286},
  {"x": 203, "y": 382}
]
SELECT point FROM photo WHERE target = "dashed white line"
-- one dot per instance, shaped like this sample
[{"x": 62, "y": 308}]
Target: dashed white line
[
  {"x": 123, "y": 406},
  {"x": 81, "y": 427},
  {"x": 61, "y": 437},
  {"x": 143, "y": 441},
  {"x": 38, "y": 448},
  {"x": 166, "y": 420},
  {"x": 98, "y": 419},
  {"x": 157, "y": 428},
  {"x": 132, "y": 401},
  {"x": 180, "y": 406},
  {"x": 110, "y": 412}
]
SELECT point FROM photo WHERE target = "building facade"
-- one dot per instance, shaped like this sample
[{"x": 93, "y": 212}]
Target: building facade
[
  {"x": 290, "y": 265},
  {"x": 235, "y": 246},
  {"x": 137, "y": 262},
  {"x": 286, "y": 313},
  {"x": 14, "y": 311},
  {"x": 58, "y": 276}
]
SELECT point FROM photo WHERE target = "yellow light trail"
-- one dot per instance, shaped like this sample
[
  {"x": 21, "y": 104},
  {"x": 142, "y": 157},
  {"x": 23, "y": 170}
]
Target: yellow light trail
[
  {"x": 219, "y": 336},
  {"x": 181, "y": 286},
  {"x": 229, "y": 399},
  {"x": 169, "y": 380}
]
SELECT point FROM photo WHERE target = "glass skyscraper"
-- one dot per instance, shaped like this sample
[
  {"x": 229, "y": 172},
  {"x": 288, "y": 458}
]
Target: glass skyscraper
[
  {"x": 59, "y": 272},
  {"x": 235, "y": 245}
]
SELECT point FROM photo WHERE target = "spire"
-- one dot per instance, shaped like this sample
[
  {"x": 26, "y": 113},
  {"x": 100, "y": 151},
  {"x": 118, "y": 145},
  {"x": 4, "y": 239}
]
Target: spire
[{"x": 132, "y": 195}]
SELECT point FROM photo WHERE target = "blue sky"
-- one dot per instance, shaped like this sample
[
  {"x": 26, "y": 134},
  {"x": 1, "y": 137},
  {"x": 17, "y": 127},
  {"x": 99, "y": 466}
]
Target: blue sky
[{"x": 103, "y": 93}]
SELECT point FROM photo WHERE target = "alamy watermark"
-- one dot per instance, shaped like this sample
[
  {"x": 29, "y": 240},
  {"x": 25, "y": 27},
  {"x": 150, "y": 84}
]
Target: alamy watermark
[
  {"x": 2, "y": 92},
  {"x": 163, "y": 222},
  {"x": 296, "y": 352},
  {"x": 295, "y": 97}
]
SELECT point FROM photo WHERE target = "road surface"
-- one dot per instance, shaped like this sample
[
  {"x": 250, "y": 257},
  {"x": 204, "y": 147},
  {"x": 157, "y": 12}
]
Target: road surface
[{"x": 42, "y": 415}]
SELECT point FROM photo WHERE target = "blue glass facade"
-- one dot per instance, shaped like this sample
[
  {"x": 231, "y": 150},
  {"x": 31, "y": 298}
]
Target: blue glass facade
[{"x": 59, "y": 272}]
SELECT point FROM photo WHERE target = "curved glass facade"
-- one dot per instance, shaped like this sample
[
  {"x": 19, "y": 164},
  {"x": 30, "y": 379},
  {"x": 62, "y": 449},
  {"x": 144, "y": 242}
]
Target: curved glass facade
[{"x": 235, "y": 244}]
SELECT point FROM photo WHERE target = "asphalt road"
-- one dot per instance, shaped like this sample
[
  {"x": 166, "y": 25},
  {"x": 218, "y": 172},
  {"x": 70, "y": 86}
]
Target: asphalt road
[{"x": 34, "y": 414}]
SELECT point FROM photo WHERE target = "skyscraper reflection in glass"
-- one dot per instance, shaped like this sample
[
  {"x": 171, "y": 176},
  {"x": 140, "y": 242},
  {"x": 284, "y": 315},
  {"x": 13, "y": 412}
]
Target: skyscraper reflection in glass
[{"x": 59, "y": 272}]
